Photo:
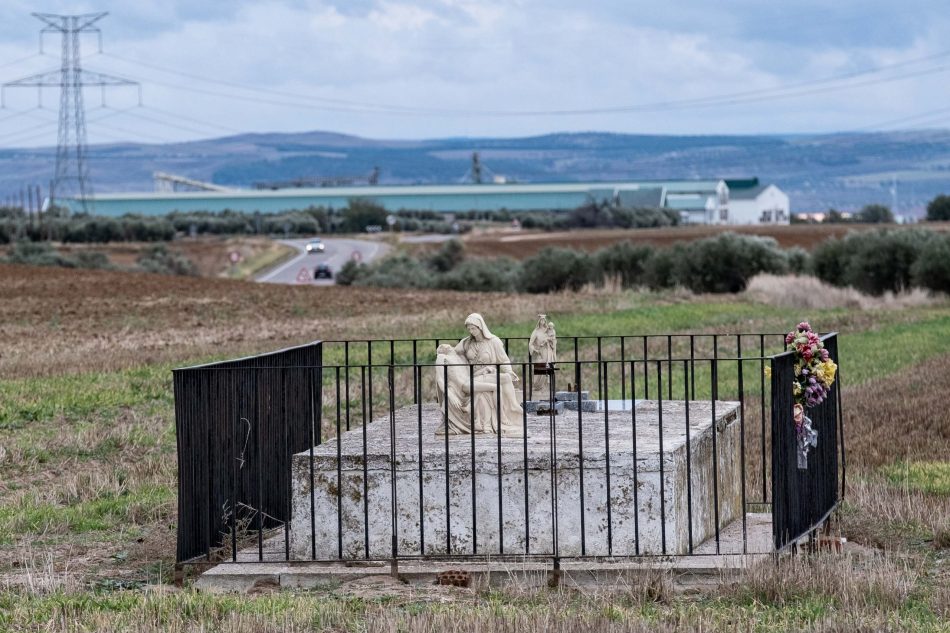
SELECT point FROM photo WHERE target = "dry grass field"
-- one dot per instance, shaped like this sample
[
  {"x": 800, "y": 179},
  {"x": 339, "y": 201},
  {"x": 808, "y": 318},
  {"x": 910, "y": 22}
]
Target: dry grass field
[
  {"x": 521, "y": 244},
  {"x": 88, "y": 471}
]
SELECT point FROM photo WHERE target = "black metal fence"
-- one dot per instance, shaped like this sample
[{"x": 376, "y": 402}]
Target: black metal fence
[
  {"x": 237, "y": 424},
  {"x": 804, "y": 498},
  {"x": 664, "y": 445}
]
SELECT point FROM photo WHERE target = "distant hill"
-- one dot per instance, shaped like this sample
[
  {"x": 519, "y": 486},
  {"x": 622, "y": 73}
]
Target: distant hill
[{"x": 844, "y": 171}]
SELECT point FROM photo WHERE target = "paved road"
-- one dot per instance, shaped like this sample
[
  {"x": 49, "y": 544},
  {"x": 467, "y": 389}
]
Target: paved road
[{"x": 338, "y": 252}]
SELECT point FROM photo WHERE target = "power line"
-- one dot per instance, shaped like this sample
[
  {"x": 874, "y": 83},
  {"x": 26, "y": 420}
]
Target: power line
[
  {"x": 746, "y": 96},
  {"x": 193, "y": 120},
  {"x": 21, "y": 60}
]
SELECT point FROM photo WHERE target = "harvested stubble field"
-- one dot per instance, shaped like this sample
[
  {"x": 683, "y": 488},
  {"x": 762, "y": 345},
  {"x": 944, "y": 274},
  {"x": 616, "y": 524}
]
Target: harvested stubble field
[
  {"x": 87, "y": 457},
  {"x": 521, "y": 244}
]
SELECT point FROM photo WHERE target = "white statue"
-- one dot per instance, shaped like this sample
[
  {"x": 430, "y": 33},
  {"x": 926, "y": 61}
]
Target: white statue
[
  {"x": 543, "y": 341},
  {"x": 495, "y": 411},
  {"x": 543, "y": 349}
]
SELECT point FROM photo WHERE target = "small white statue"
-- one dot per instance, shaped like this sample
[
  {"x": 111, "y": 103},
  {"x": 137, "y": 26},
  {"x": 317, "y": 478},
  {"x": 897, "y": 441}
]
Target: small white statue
[
  {"x": 543, "y": 349},
  {"x": 543, "y": 341}
]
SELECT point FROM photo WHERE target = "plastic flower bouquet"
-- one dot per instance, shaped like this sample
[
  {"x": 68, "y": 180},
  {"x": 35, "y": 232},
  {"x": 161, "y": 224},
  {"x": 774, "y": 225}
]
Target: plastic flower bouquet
[{"x": 814, "y": 375}]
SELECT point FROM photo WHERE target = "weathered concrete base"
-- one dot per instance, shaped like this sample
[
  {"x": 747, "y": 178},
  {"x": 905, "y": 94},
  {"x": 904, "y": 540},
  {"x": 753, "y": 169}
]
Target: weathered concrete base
[
  {"x": 604, "y": 487},
  {"x": 686, "y": 572}
]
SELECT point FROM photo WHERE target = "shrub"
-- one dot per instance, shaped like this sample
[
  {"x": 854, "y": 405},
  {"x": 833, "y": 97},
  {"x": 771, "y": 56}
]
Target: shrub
[
  {"x": 875, "y": 214},
  {"x": 554, "y": 269},
  {"x": 938, "y": 209},
  {"x": 93, "y": 259},
  {"x": 932, "y": 268},
  {"x": 798, "y": 260},
  {"x": 829, "y": 261},
  {"x": 725, "y": 263},
  {"x": 399, "y": 271},
  {"x": 624, "y": 260},
  {"x": 482, "y": 275},
  {"x": 350, "y": 272},
  {"x": 38, "y": 254},
  {"x": 448, "y": 257},
  {"x": 159, "y": 259},
  {"x": 880, "y": 261},
  {"x": 93, "y": 230},
  {"x": 659, "y": 271}
]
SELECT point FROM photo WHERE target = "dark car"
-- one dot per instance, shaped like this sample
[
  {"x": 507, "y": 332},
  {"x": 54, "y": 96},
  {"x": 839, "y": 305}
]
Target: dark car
[{"x": 322, "y": 271}]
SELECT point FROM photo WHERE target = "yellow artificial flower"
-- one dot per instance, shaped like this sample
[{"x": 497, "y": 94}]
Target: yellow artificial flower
[
  {"x": 830, "y": 369},
  {"x": 796, "y": 389},
  {"x": 768, "y": 372}
]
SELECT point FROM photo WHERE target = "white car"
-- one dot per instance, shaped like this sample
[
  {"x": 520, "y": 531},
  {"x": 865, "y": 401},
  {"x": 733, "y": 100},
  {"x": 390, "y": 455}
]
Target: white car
[{"x": 316, "y": 246}]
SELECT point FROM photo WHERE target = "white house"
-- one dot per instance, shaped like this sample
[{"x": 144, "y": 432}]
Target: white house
[{"x": 759, "y": 204}]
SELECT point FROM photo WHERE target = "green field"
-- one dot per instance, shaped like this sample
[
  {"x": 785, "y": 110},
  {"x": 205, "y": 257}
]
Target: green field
[{"x": 88, "y": 501}]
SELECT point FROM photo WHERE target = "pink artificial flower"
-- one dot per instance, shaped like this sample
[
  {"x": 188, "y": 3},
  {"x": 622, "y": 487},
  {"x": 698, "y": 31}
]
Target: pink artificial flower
[{"x": 804, "y": 327}]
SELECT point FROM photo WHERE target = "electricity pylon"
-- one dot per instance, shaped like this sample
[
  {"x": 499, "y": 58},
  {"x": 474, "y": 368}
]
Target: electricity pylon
[{"x": 72, "y": 172}]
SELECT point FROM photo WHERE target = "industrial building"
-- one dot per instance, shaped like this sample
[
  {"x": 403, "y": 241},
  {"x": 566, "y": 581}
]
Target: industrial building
[{"x": 720, "y": 201}]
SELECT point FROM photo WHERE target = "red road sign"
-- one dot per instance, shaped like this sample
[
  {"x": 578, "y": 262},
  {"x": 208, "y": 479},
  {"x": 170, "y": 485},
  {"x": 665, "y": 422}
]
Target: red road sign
[{"x": 304, "y": 276}]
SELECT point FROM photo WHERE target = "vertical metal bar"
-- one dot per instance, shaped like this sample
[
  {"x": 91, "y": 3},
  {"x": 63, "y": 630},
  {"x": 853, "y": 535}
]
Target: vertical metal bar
[
  {"x": 417, "y": 394},
  {"x": 471, "y": 409},
  {"x": 745, "y": 534},
  {"x": 285, "y": 431},
  {"x": 580, "y": 459},
  {"x": 365, "y": 464},
  {"x": 659, "y": 410},
  {"x": 259, "y": 465},
  {"x": 633, "y": 435},
  {"x": 576, "y": 357},
  {"x": 692, "y": 364},
  {"x": 448, "y": 506},
  {"x": 501, "y": 522},
  {"x": 415, "y": 361},
  {"x": 369, "y": 361},
  {"x": 765, "y": 497},
  {"x": 552, "y": 422},
  {"x": 689, "y": 457},
  {"x": 669, "y": 365},
  {"x": 623, "y": 371},
  {"x": 391, "y": 383},
  {"x": 524, "y": 421},
  {"x": 646, "y": 370},
  {"x": 316, "y": 419},
  {"x": 209, "y": 465},
  {"x": 339, "y": 473},
  {"x": 610, "y": 537},
  {"x": 346, "y": 354},
  {"x": 714, "y": 388},
  {"x": 232, "y": 498}
]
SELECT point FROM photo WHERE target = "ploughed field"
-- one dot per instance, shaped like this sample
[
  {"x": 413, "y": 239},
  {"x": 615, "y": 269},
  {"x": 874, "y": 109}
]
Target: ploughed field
[{"x": 88, "y": 463}]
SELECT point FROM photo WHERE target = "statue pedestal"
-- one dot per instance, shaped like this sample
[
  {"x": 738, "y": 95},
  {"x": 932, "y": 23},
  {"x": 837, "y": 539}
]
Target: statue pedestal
[{"x": 494, "y": 496}]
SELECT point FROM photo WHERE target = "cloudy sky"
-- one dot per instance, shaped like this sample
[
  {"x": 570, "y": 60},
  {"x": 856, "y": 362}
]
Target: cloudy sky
[{"x": 435, "y": 68}]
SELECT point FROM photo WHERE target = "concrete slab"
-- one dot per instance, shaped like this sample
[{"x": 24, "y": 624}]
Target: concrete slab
[{"x": 611, "y": 483}]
